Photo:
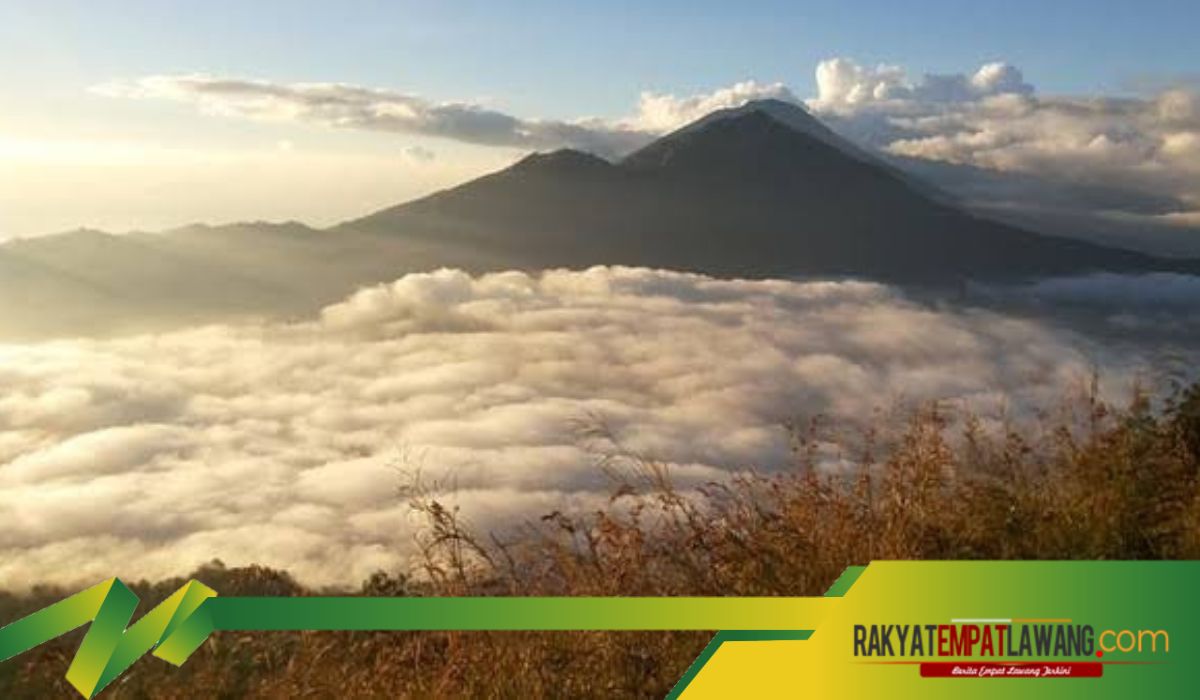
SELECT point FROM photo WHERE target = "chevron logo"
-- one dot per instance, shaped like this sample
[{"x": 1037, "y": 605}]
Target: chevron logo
[{"x": 171, "y": 631}]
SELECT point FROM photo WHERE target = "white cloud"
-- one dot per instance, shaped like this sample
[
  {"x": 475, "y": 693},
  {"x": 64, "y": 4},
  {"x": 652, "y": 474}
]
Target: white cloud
[
  {"x": 279, "y": 444},
  {"x": 993, "y": 119},
  {"x": 345, "y": 106},
  {"x": 662, "y": 112},
  {"x": 843, "y": 83}
]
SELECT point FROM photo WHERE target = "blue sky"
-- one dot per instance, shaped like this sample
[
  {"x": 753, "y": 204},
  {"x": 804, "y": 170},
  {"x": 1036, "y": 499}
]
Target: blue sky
[
  {"x": 532, "y": 59},
  {"x": 564, "y": 59}
]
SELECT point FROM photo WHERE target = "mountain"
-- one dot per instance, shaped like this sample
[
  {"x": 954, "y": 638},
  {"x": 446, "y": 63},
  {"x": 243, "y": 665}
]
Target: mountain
[{"x": 762, "y": 190}]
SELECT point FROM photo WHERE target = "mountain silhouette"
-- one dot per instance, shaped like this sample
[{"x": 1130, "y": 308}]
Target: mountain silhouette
[{"x": 764, "y": 190}]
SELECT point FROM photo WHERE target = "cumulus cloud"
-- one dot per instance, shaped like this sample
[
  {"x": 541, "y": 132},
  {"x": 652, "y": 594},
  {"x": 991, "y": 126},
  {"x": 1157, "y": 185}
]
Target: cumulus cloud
[
  {"x": 662, "y": 112},
  {"x": 843, "y": 83},
  {"x": 993, "y": 119},
  {"x": 282, "y": 444}
]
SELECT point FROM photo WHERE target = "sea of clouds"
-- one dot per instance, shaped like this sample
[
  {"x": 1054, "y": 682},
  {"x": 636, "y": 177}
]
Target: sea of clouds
[{"x": 285, "y": 444}]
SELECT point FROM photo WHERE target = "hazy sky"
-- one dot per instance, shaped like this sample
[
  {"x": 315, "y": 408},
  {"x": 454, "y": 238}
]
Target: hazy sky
[{"x": 74, "y": 155}]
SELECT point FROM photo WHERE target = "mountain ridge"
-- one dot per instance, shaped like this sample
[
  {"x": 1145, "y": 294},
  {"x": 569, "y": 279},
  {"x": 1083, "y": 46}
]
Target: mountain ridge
[
  {"x": 741, "y": 192},
  {"x": 738, "y": 176}
]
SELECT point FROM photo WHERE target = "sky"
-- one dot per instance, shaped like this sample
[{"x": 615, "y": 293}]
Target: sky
[{"x": 80, "y": 147}]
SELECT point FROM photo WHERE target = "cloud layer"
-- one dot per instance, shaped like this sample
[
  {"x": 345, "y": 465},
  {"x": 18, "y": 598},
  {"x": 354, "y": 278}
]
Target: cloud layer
[
  {"x": 281, "y": 444},
  {"x": 346, "y": 106}
]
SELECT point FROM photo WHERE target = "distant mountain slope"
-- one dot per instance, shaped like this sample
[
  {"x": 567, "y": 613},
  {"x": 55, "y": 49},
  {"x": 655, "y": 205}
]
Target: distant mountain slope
[
  {"x": 1111, "y": 216},
  {"x": 88, "y": 282},
  {"x": 763, "y": 190}
]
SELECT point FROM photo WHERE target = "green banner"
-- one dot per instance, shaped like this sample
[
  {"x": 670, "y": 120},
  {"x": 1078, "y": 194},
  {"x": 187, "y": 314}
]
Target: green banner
[{"x": 1061, "y": 629}]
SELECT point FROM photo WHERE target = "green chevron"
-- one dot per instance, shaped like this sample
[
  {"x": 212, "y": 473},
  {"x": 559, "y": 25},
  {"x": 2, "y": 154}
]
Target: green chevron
[{"x": 172, "y": 630}]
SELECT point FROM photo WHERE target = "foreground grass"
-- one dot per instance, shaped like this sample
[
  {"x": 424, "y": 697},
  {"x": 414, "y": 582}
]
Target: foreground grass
[{"x": 1085, "y": 481}]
